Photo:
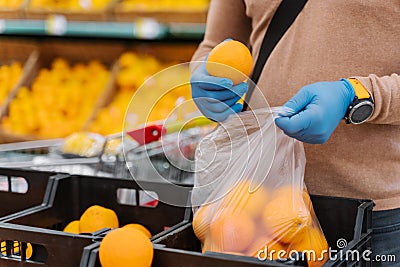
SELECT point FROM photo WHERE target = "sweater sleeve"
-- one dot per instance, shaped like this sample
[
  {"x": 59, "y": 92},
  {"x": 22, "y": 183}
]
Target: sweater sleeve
[
  {"x": 226, "y": 19},
  {"x": 385, "y": 92}
]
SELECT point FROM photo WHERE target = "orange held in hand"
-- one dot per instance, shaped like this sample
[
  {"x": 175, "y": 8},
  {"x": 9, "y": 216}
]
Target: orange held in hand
[
  {"x": 126, "y": 247},
  {"x": 286, "y": 215},
  {"x": 230, "y": 59}
]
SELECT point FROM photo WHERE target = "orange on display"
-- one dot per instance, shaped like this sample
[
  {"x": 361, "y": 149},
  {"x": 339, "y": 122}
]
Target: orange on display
[
  {"x": 139, "y": 227},
  {"x": 96, "y": 218},
  {"x": 72, "y": 227},
  {"x": 126, "y": 247}
]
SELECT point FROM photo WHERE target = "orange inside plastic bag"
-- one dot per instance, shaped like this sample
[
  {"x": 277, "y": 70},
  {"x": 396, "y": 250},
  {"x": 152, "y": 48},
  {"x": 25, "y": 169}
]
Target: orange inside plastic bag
[{"x": 249, "y": 196}]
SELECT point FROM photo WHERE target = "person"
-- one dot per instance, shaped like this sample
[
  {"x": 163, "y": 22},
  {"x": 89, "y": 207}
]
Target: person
[{"x": 331, "y": 53}]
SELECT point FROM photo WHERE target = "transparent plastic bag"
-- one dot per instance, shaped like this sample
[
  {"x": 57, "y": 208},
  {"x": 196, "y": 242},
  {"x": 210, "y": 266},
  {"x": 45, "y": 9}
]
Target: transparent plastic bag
[{"x": 249, "y": 196}]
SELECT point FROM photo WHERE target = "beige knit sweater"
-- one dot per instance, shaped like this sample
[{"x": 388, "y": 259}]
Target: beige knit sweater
[{"x": 329, "y": 40}]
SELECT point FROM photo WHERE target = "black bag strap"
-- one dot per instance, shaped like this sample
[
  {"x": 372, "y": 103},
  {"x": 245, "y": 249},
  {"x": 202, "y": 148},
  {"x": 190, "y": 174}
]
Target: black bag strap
[{"x": 284, "y": 16}]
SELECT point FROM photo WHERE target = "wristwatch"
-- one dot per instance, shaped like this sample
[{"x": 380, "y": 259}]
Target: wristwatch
[{"x": 362, "y": 107}]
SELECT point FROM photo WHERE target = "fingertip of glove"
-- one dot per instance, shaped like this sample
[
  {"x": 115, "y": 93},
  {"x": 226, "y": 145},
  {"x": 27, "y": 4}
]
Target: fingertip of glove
[
  {"x": 282, "y": 122},
  {"x": 293, "y": 105}
]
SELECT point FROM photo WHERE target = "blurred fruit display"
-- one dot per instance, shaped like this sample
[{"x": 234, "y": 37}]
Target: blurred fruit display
[
  {"x": 163, "y": 5},
  {"x": 137, "y": 71},
  {"x": 14, "y": 4},
  {"x": 59, "y": 101},
  {"x": 165, "y": 97},
  {"x": 70, "y": 5},
  {"x": 9, "y": 76}
]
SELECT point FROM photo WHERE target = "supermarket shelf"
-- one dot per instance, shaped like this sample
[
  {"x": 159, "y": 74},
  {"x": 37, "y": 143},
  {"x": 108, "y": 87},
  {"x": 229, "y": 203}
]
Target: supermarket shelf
[{"x": 146, "y": 29}]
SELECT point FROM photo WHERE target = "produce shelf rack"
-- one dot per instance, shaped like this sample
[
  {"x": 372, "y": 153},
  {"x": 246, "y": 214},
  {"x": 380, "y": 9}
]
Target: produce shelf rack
[{"x": 142, "y": 29}]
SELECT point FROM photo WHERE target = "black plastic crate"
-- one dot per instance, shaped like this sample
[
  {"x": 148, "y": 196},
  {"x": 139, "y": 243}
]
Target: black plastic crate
[
  {"x": 22, "y": 189},
  {"x": 50, "y": 247},
  {"x": 182, "y": 258},
  {"x": 340, "y": 218},
  {"x": 70, "y": 196}
]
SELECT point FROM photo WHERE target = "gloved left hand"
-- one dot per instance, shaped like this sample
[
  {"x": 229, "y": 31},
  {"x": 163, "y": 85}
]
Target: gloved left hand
[
  {"x": 217, "y": 98},
  {"x": 318, "y": 109}
]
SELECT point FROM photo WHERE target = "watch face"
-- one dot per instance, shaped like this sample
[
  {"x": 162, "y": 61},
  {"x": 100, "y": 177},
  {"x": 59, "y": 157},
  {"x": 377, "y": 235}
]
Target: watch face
[{"x": 362, "y": 112}]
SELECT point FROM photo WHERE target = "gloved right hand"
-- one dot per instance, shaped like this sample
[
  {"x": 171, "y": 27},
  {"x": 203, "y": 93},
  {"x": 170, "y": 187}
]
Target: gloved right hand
[{"x": 216, "y": 97}]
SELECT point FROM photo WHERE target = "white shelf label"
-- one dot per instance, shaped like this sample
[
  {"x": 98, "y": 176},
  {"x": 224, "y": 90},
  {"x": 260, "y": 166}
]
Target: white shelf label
[
  {"x": 56, "y": 25},
  {"x": 2, "y": 25},
  {"x": 147, "y": 28}
]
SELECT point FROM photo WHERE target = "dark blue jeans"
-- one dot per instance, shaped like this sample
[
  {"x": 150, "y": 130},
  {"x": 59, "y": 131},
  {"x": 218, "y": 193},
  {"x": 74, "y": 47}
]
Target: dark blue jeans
[{"x": 386, "y": 238}]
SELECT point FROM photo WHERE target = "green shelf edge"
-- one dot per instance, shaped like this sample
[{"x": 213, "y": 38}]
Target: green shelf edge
[{"x": 146, "y": 30}]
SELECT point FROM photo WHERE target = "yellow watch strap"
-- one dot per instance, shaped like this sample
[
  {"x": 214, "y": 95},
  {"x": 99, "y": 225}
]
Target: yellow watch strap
[{"x": 359, "y": 90}]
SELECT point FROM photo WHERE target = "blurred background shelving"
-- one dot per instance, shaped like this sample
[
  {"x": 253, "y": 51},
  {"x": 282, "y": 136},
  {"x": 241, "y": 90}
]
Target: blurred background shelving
[
  {"x": 132, "y": 19},
  {"x": 72, "y": 66},
  {"x": 145, "y": 28}
]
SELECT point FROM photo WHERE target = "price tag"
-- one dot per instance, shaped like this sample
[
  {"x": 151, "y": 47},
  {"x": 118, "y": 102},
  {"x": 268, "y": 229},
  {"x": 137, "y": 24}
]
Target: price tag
[
  {"x": 56, "y": 25},
  {"x": 147, "y": 29},
  {"x": 2, "y": 25}
]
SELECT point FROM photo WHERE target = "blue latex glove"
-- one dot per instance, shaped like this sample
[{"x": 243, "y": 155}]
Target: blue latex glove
[
  {"x": 216, "y": 97},
  {"x": 318, "y": 109}
]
